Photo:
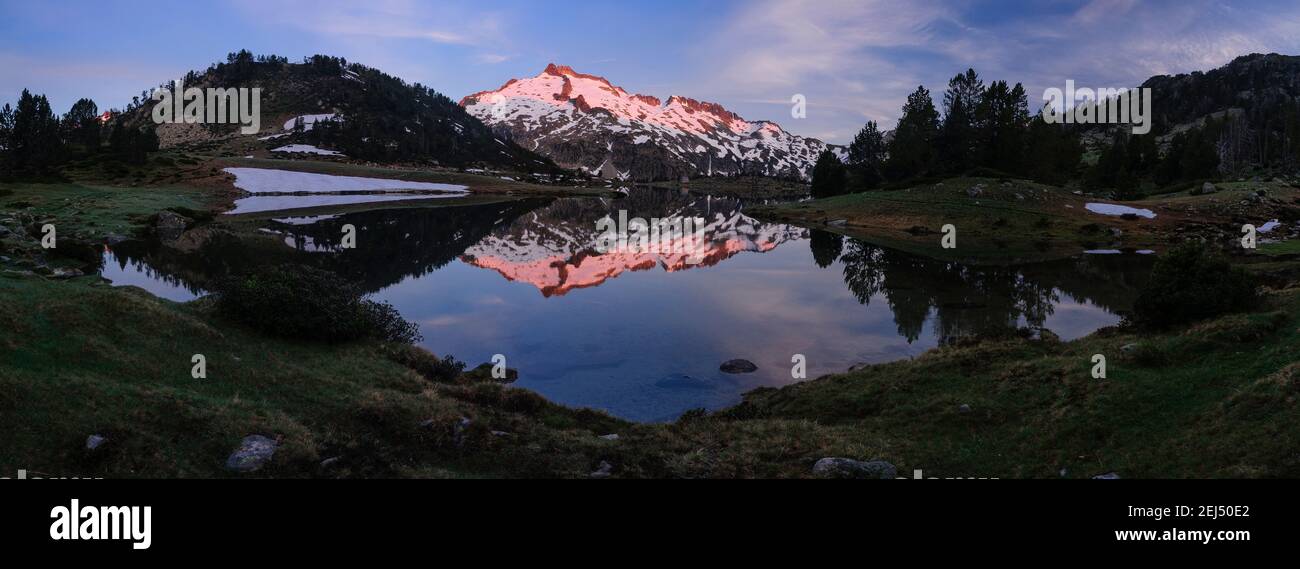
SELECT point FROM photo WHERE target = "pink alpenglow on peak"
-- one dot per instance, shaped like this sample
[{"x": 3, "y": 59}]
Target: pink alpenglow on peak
[{"x": 586, "y": 122}]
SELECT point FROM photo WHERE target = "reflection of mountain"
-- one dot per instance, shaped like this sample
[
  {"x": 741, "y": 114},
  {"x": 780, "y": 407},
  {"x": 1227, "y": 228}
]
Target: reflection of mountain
[
  {"x": 555, "y": 248},
  {"x": 968, "y": 300}
]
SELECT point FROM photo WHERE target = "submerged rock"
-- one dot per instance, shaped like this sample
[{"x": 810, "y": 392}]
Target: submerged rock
[
  {"x": 739, "y": 366},
  {"x": 682, "y": 381},
  {"x": 253, "y": 453},
  {"x": 847, "y": 468}
]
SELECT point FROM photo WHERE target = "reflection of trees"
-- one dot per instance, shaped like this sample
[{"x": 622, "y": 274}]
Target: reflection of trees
[
  {"x": 395, "y": 244},
  {"x": 391, "y": 245},
  {"x": 969, "y": 300},
  {"x": 826, "y": 247}
]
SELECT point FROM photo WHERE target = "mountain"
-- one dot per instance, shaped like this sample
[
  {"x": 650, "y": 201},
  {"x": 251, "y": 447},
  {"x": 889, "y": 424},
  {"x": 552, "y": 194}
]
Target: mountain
[
  {"x": 585, "y": 122},
  {"x": 372, "y": 116},
  {"x": 1245, "y": 115}
]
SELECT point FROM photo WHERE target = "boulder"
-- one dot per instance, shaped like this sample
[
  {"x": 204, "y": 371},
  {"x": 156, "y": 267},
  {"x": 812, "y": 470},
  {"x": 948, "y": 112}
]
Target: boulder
[
  {"x": 846, "y": 468},
  {"x": 253, "y": 453},
  {"x": 603, "y": 470},
  {"x": 738, "y": 366},
  {"x": 93, "y": 442},
  {"x": 61, "y": 273},
  {"x": 1209, "y": 188}
]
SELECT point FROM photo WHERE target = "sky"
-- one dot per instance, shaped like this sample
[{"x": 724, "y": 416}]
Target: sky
[{"x": 852, "y": 60}]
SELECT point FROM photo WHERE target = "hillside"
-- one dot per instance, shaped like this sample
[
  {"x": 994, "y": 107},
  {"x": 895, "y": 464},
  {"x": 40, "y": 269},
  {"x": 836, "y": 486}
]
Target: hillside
[{"x": 328, "y": 106}]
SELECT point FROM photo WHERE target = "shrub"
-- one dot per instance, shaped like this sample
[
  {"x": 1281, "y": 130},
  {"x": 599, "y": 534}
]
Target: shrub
[
  {"x": 1190, "y": 284},
  {"x": 306, "y": 303},
  {"x": 420, "y": 360}
]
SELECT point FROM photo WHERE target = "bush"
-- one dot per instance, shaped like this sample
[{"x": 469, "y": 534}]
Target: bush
[
  {"x": 1190, "y": 284},
  {"x": 310, "y": 304},
  {"x": 445, "y": 370}
]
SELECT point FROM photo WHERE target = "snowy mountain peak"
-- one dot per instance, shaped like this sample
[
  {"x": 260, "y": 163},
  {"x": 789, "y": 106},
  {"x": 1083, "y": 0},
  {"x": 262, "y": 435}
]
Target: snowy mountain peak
[{"x": 585, "y": 121}]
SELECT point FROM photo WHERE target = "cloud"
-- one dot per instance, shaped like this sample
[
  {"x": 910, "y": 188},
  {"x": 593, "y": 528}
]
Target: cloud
[
  {"x": 858, "y": 59},
  {"x": 492, "y": 58},
  {"x": 441, "y": 23}
]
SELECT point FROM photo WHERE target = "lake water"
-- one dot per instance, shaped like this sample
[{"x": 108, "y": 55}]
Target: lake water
[{"x": 642, "y": 335}]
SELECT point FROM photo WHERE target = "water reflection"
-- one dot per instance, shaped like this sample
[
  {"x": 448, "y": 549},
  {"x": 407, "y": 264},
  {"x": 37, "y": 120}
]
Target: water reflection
[{"x": 642, "y": 335}]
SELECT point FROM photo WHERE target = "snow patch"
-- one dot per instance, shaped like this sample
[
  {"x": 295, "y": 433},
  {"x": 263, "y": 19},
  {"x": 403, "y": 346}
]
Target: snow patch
[{"x": 1118, "y": 210}]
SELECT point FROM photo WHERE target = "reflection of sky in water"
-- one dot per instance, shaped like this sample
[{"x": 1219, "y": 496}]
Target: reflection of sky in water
[
  {"x": 624, "y": 346},
  {"x": 138, "y": 274}
]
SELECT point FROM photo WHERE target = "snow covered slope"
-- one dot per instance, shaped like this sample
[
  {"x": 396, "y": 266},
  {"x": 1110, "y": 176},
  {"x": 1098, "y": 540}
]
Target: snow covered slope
[{"x": 583, "y": 121}]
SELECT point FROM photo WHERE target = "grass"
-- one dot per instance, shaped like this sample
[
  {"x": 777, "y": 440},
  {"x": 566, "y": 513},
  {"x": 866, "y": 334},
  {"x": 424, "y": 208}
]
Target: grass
[
  {"x": 1280, "y": 248},
  {"x": 88, "y": 212},
  {"x": 1218, "y": 400},
  {"x": 1017, "y": 221}
]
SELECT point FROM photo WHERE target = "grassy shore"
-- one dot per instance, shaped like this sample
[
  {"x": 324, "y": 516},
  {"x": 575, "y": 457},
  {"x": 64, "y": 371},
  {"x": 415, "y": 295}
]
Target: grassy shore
[
  {"x": 1017, "y": 221},
  {"x": 81, "y": 358}
]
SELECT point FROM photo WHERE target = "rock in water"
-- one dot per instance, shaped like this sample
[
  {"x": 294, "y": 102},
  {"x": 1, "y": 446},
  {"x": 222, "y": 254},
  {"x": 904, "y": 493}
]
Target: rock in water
[
  {"x": 253, "y": 453},
  {"x": 845, "y": 468},
  {"x": 93, "y": 442},
  {"x": 739, "y": 366}
]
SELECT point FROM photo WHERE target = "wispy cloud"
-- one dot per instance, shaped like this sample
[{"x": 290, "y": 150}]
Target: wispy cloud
[
  {"x": 441, "y": 23},
  {"x": 858, "y": 59}
]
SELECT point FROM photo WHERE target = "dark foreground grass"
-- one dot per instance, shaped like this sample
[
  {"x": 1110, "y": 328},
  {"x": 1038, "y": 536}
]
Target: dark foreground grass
[{"x": 77, "y": 358}]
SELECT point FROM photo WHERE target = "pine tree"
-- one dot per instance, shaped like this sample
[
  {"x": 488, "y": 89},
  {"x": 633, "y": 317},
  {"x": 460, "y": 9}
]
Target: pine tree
[
  {"x": 81, "y": 124},
  {"x": 911, "y": 152},
  {"x": 1003, "y": 118},
  {"x": 829, "y": 177},
  {"x": 1053, "y": 152},
  {"x": 958, "y": 145},
  {"x": 34, "y": 143},
  {"x": 867, "y": 158}
]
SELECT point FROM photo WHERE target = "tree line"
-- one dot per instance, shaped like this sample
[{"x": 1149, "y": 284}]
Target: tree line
[
  {"x": 983, "y": 127},
  {"x": 988, "y": 130},
  {"x": 34, "y": 141}
]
